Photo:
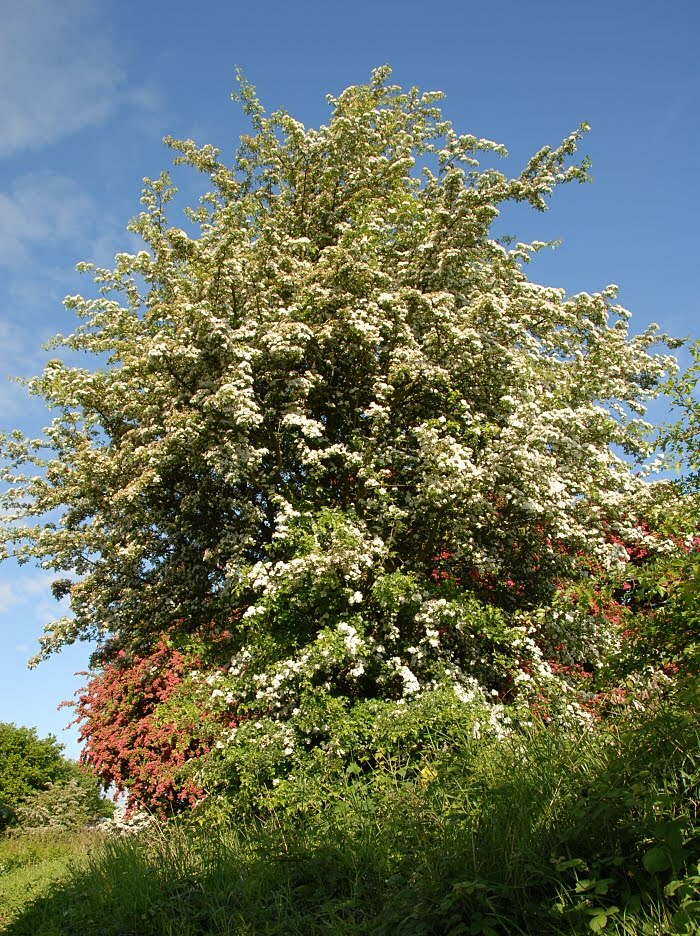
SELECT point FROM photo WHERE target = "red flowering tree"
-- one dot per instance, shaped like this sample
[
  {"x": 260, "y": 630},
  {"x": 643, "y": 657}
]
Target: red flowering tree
[{"x": 141, "y": 722}]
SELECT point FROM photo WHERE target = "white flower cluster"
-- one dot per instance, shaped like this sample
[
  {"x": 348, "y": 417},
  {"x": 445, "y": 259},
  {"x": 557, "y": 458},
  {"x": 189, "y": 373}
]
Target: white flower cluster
[{"x": 298, "y": 407}]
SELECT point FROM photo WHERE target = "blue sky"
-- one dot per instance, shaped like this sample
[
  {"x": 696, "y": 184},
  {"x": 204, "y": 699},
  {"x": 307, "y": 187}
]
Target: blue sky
[{"x": 89, "y": 88}]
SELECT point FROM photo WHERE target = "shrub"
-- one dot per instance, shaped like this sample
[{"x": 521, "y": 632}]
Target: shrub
[
  {"x": 27, "y": 764},
  {"x": 66, "y": 806}
]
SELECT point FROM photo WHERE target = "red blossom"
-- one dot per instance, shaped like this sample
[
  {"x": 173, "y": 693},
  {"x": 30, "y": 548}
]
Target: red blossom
[{"x": 138, "y": 734}]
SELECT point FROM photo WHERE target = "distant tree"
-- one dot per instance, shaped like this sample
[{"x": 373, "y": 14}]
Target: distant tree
[
  {"x": 28, "y": 763},
  {"x": 68, "y": 805},
  {"x": 35, "y": 773}
]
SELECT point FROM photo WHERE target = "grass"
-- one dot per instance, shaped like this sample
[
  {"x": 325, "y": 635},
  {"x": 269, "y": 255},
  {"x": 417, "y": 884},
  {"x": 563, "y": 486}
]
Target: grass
[
  {"x": 551, "y": 832},
  {"x": 32, "y": 865}
]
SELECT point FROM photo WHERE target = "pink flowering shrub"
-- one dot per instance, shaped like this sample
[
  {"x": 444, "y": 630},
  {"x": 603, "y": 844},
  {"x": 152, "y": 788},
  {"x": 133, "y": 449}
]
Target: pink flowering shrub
[{"x": 141, "y": 724}]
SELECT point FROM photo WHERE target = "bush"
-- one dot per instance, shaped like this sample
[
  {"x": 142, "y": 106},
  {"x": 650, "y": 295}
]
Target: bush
[
  {"x": 38, "y": 784},
  {"x": 27, "y": 764},
  {"x": 66, "y": 806}
]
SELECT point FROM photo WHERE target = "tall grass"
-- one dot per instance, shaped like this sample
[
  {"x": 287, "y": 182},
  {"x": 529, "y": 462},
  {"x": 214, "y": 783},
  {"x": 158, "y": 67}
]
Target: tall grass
[
  {"x": 32, "y": 864},
  {"x": 551, "y": 831}
]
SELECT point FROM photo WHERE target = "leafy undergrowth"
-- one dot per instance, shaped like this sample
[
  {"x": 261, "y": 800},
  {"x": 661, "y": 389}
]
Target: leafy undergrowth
[{"x": 551, "y": 831}]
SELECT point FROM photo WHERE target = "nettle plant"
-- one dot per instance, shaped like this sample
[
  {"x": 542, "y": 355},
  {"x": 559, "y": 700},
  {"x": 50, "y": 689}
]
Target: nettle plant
[{"x": 335, "y": 414}]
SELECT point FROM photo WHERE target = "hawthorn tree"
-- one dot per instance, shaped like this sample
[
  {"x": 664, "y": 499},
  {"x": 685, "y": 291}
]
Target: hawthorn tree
[
  {"x": 141, "y": 722},
  {"x": 335, "y": 417},
  {"x": 31, "y": 766},
  {"x": 667, "y": 635}
]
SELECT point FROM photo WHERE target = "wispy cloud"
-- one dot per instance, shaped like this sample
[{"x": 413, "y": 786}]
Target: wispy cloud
[
  {"x": 27, "y": 605},
  {"x": 47, "y": 223},
  {"x": 26, "y": 322},
  {"x": 8, "y": 597},
  {"x": 57, "y": 74},
  {"x": 41, "y": 209},
  {"x": 33, "y": 589}
]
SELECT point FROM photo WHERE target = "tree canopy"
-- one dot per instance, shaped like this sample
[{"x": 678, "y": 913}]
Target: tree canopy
[
  {"x": 334, "y": 417},
  {"x": 28, "y": 763}
]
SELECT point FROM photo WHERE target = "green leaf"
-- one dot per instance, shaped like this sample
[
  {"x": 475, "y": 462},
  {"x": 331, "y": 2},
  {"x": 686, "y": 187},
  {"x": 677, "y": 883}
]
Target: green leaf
[
  {"x": 656, "y": 860},
  {"x": 570, "y": 863},
  {"x": 634, "y": 904},
  {"x": 672, "y": 833},
  {"x": 686, "y": 919},
  {"x": 600, "y": 917}
]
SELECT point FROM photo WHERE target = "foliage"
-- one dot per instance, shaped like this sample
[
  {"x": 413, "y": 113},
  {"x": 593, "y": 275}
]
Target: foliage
[
  {"x": 677, "y": 577},
  {"x": 682, "y": 437},
  {"x": 664, "y": 592},
  {"x": 304, "y": 765},
  {"x": 27, "y": 764},
  {"x": 68, "y": 805},
  {"x": 633, "y": 842},
  {"x": 335, "y": 419},
  {"x": 552, "y": 830},
  {"x": 663, "y": 633}
]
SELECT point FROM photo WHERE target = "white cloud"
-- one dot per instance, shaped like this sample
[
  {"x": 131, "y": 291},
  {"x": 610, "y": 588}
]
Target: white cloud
[
  {"x": 41, "y": 209},
  {"x": 57, "y": 74},
  {"x": 21, "y": 355},
  {"x": 33, "y": 589},
  {"x": 8, "y": 597}
]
